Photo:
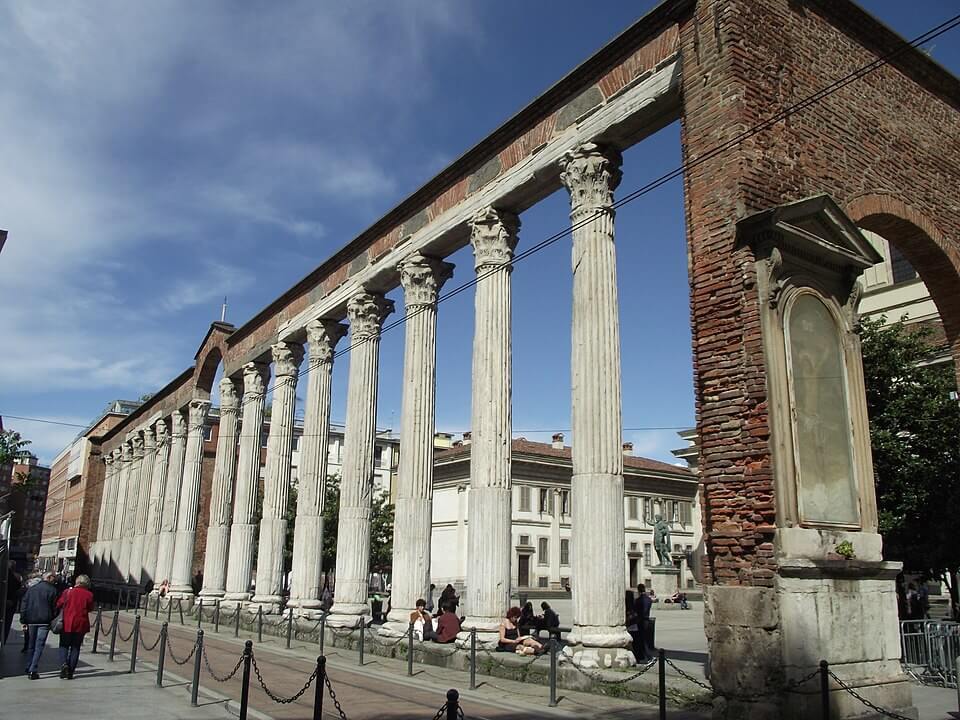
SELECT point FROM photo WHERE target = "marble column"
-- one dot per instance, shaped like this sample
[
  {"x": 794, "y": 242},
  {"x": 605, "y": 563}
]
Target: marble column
[
  {"x": 105, "y": 523},
  {"x": 307, "y": 571},
  {"x": 366, "y": 313},
  {"x": 493, "y": 234},
  {"x": 276, "y": 481},
  {"x": 145, "y": 475},
  {"x": 421, "y": 278},
  {"x": 221, "y": 495},
  {"x": 591, "y": 174},
  {"x": 181, "y": 575},
  {"x": 155, "y": 510},
  {"x": 171, "y": 498},
  {"x": 243, "y": 529},
  {"x": 121, "y": 525}
]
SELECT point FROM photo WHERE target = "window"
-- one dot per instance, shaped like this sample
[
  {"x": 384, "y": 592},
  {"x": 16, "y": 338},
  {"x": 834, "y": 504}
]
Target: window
[
  {"x": 524, "y": 540},
  {"x": 647, "y": 557},
  {"x": 686, "y": 513},
  {"x": 62, "y": 545},
  {"x": 378, "y": 456},
  {"x": 263, "y": 438},
  {"x": 296, "y": 443},
  {"x": 543, "y": 581},
  {"x": 632, "y": 508},
  {"x": 689, "y": 549},
  {"x": 546, "y": 500},
  {"x": 633, "y": 547},
  {"x": 648, "y": 509},
  {"x": 826, "y": 476},
  {"x": 524, "y": 498},
  {"x": 564, "y": 502},
  {"x": 543, "y": 551},
  {"x": 71, "y": 543},
  {"x": 207, "y": 432},
  {"x": 564, "y": 551},
  {"x": 677, "y": 548},
  {"x": 902, "y": 269},
  {"x": 689, "y": 583}
]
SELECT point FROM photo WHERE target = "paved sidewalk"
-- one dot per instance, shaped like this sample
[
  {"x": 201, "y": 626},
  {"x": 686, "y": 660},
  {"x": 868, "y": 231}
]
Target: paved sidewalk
[{"x": 99, "y": 690}]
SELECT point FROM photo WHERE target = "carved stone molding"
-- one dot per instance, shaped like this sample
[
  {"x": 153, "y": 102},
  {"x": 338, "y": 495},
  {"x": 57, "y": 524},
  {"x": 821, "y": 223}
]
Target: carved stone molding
[
  {"x": 117, "y": 455},
  {"x": 322, "y": 337},
  {"x": 229, "y": 399},
  {"x": 286, "y": 359},
  {"x": 108, "y": 459},
  {"x": 366, "y": 313},
  {"x": 493, "y": 235},
  {"x": 255, "y": 377},
  {"x": 149, "y": 440},
  {"x": 591, "y": 173},
  {"x": 161, "y": 430},
  {"x": 126, "y": 452},
  {"x": 179, "y": 425},
  {"x": 198, "y": 411},
  {"x": 138, "y": 443},
  {"x": 422, "y": 277}
]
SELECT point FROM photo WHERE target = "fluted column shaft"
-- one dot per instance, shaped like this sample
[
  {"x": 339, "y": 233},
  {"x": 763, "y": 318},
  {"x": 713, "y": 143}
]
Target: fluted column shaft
[
  {"x": 276, "y": 484},
  {"x": 105, "y": 525},
  {"x": 221, "y": 495},
  {"x": 155, "y": 511},
  {"x": 366, "y": 313},
  {"x": 121, "y": 525},
  {"x": 243, "y": 529},
  {"x": 494, "y": 237},
  {"x": 171, "y": 497},
  {"x": 144, "y": 478},
  {"x": 181, "y": 575},
  {"x": 591, "y": 174},
  {"x": 307, "y": 571},
  {"x": 421, "y": 278}
]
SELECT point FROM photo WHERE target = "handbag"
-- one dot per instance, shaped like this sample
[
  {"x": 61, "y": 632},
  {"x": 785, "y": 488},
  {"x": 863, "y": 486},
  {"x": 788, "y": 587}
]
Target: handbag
[{"x": 56, "y": 625}]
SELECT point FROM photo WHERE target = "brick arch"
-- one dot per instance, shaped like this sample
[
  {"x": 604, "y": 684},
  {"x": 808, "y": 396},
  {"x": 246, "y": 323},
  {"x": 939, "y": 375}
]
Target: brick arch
[
  {"x": 205, "y": 371},
  {"x": 935, "y": 257}
]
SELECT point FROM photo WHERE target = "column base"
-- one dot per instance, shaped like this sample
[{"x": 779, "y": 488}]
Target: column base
[
  {"x": 348, "y": 615},
  {"x": 309, "y": 608},
  {"x": 235, "y": 598},
  {"x": 592, "y": 646},
  {"x": 395, "y": 629},
  {"x": 182, "y": 594},
  {"x": 211, "y": 593},
  {"x": 488, "y": 632},
  {"x": 270, "y": 604}
]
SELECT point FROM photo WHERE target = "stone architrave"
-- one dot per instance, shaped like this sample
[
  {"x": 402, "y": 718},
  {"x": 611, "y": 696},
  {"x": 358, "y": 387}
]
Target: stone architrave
[
  {"x": 105, "y": 525},
  {"x": 243, "y": 529},
  {"x": 493, "y": 234},
  {"x": 171, "y": 498},
  {"x": 591, "y": 173},
  {"x": 307, "y": 571},
  {"x": 181, "y": 575},
  {"x": 422, "y": 278},
  {"x": 155, "y": 511},
  {"x": 121, "y": 544},
  {"x": 276, "y": 485},
  {"x": 366, "y": 313},
  {"x": 224, "y": 470},
  {"x": 145, "y": 476}
]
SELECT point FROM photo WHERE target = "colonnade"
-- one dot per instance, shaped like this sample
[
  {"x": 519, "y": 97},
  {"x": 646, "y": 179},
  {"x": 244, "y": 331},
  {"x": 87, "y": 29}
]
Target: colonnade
[{"x": 148, "y": 516}]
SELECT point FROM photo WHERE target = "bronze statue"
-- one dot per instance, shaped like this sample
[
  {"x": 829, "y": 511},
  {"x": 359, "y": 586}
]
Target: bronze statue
[{"x": 661, "y": 540}]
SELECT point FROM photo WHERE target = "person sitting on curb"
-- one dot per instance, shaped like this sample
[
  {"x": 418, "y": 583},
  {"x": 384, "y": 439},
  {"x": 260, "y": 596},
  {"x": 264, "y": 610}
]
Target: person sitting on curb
[
  {"x": 510, "y": 638},
  {"x": 448, "y": 625},
  {"x": 422, "y": 622}
]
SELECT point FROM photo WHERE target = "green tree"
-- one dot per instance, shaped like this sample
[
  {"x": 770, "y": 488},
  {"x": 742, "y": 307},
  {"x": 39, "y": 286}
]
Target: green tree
[
  {"x": 914, "y": 432},
  {"x": 381, "y": 528},
  {"x": 11, "y": 445}
]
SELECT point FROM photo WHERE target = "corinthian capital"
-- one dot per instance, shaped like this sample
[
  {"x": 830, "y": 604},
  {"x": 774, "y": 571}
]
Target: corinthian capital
[
  {"x": 108, "y": 461},
  {"x": 149, "y": 440},
  {"x": 161, "y": 431},
  {"x": 422, "y": 277},
  {"x": 493, "y": 234},
  {"x": 126, "y": 452},
  {"x": 198, "y": 412},
  {"x": 255, "y": 377},
  {"x": 366, "y": 313},
  {"x": 229, "y": 400},
  {"x": 590, "y": 173},
  {"x": 322, "y": 337},
  {"x": 179, "y": 424},
  {"x": 138, "y": 443},
  {"x": 286, "y": 359},
  {"x": 118, "y": 455}
]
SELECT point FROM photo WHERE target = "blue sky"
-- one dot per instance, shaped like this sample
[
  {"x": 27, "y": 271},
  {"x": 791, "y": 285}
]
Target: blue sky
[{"x": 158, "y": 156}]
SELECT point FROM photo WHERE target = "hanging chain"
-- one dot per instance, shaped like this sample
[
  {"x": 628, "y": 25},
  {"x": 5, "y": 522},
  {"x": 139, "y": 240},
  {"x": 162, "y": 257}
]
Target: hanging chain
[
  {"x": 333, "y": 696},
  {"x": 143, "y": 643},
  {"x": 127, "y": 638},
  {"x": 696, "y": 681},
  {"x": 174, "y": 657},
  {"x": 270, "y": 694},
  {"x": 206, "y": 661},
  {"x": 598, "y": 678},
  {"x": 441, "y": 712},
  {"x": 862, "y": 699}
]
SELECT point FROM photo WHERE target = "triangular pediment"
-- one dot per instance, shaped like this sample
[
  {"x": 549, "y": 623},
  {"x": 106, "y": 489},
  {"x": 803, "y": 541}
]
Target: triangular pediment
[{"x": 813, "y": 227}]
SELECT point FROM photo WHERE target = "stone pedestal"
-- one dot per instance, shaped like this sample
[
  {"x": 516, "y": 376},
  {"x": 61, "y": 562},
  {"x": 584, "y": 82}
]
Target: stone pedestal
[{"x": 664, "y": 581}]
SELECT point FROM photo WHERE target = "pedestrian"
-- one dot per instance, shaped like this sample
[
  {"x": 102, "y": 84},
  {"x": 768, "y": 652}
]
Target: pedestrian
[
  {"x": 551, "y": 621},
  {"x": 430, "y": 597},
  {"x": 449, "y": 595},
  {"x": 326, "y": 599},
  {"x": 640, "y": 620},
  {"x": 37, "y": 610},
  {"x": 14, "y": 589},
  {"x": 77, "y": 604},
  {"x": 528, "y": 621}
]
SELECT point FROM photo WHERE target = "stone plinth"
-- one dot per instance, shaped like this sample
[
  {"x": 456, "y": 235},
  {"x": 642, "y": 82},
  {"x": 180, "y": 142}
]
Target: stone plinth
[{"x": 664, "y": 581}]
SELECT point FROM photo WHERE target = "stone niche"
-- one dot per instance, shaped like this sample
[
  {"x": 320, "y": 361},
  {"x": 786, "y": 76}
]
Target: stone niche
[{"x": 833, "y": 595}]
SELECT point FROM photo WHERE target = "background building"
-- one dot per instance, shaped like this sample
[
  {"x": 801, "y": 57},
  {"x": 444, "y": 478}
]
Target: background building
[{"x": 23, "y": 488}]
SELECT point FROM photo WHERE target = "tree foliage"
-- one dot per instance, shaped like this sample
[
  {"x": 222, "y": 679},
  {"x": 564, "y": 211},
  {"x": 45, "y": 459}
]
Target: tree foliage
[
  {"x": 11, "y": 445},
  {"x": 915, "y": 434},
  {"x": 381, "y": 528}
]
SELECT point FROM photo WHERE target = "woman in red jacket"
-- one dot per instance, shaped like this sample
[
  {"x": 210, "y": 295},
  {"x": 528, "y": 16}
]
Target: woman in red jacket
[{"x": 77, "y": 604}]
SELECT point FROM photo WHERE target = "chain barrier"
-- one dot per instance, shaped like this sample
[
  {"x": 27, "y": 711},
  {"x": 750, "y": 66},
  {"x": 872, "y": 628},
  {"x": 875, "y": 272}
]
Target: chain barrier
[
  {"x": 218, "y": 678},
  {"x": 375, "y": 639},
  {"x": 127, "y": 638},
  {"x": 348, "y": 633},
  {"x": 441, "y": 712},
  {"x": 277, "y": 698},
  {"x": 174, "y": 657},
  {"x": 597, "y": 678},
  {"x": 333, "y": 697},
  {"x": 493, "y": 656},
  {"x": 862, "y": 699},
  {"x": 106, "y": 631},
  {"x": 748, "y": 697},
  {"x": 143, "y": 643}
]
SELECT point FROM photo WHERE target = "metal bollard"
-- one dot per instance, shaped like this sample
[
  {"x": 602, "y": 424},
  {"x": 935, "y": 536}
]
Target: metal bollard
[
  {"x": 323, "y": 630},
  {"x": 156, "y": 611},
  {"x": 453, "y": 704},
  {"x": 363, "y": 627},
  {"x": 96, "y": 628},
  {"x": 260, "y": 623},
  {"x": 169, "y": 609},
  {"x": 216, "y": 617},
  {"x": 824, "y": 690},
  {"x": 180, "y": 610},
  {"x": 553, "y": 672},
  {"x": 410, "y": 650},
  {"x": 136, "y": 643},
  {"x": 319, "y": 688},
  {"x": 113, "y": 634},
  {"x": 236, "y": 621},
  {"x": 289, "y": 626},
  {"x": 163, "y": 654},
  {"x": 195, "y": 687},
  {"x": 473, "y": 658},
  {"x": 245, "y": 688},
  {"x": 662, "y": 667},
  {"x": 200, "y": 614}
]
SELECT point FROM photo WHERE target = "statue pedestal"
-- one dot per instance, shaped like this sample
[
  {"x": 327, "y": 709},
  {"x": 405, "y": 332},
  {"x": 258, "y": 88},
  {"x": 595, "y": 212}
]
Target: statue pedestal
[{"x": 664, "y": 581}]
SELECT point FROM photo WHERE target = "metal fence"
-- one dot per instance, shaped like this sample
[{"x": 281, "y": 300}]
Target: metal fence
[{"x": 930, "y": 650}]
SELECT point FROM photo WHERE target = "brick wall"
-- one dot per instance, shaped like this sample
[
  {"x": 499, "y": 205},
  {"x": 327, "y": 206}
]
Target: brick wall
[{"x": 885, "y": 136}]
